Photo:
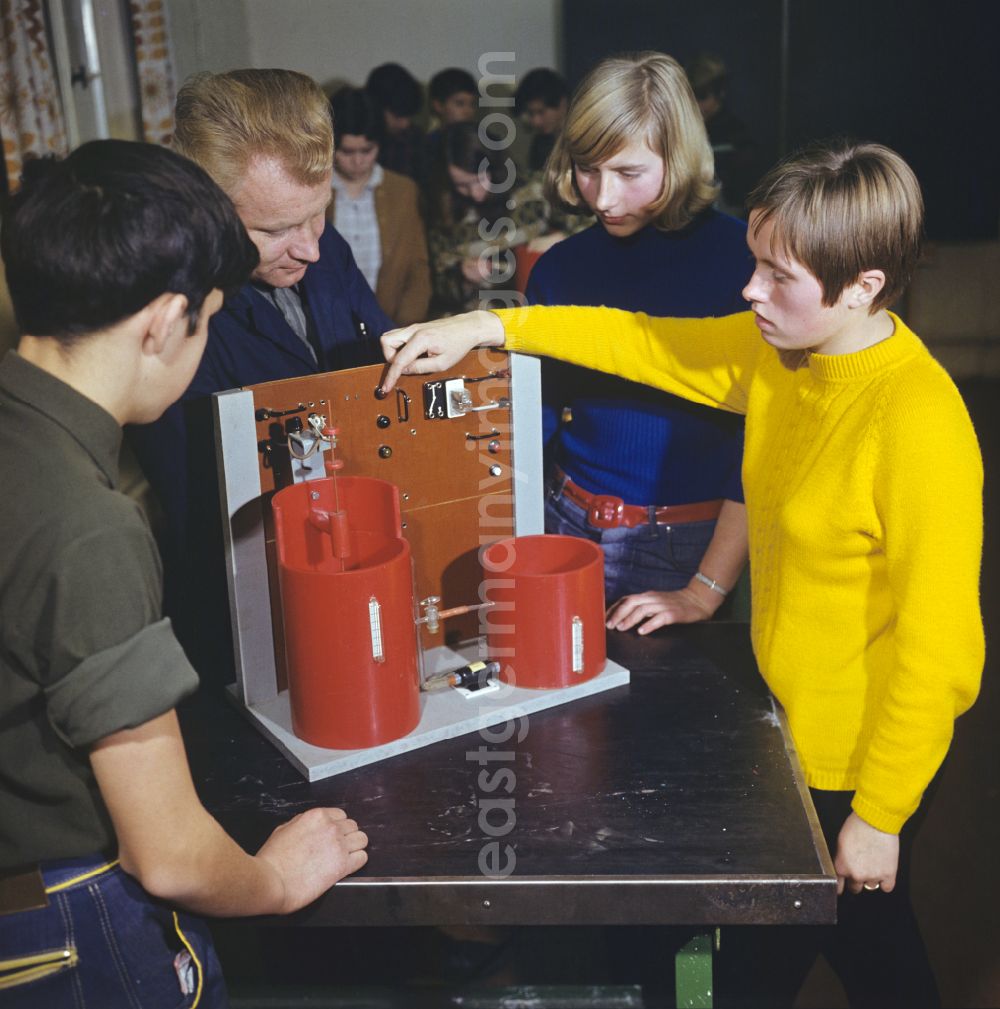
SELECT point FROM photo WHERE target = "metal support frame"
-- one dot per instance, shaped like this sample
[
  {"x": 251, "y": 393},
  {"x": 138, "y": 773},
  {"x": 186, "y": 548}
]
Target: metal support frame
[
  {"x": 693, "y": 972},
  {"x": 526, "y": 444},
  {"x": 243, "y": 537}
]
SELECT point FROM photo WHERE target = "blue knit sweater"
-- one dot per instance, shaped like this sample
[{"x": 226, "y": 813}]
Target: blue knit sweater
[{"x": 644, "y": 446}]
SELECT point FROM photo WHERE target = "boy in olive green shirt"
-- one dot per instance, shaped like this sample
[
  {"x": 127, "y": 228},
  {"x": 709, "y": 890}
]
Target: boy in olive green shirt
[{"x": 115, "y": 258}]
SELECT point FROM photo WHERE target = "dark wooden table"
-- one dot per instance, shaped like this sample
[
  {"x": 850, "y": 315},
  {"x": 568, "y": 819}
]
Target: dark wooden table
[{"x": 676, "y": 800}]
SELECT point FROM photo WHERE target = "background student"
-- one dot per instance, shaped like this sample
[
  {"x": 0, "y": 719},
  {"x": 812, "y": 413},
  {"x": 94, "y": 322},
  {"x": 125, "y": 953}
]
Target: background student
[
  {"x": 401, "y": 99},
  {"x": 376, "y": 211},
  {"x": 732, "y": 141},
  {"x": 461, "y": 209},
  {"x": 454, "y": 98},
  {"x": 116, "y": 259},
  {"x": 542, "y": 98}
]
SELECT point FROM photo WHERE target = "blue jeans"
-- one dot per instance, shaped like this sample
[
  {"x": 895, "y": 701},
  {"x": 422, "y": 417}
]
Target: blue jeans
[
  {"x": 646, "y": 558},
  {"x": 104, "y": 943}
]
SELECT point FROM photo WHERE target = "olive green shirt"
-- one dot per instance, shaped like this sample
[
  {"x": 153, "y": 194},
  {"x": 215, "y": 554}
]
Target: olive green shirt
[{"x": 84, "y": 651}]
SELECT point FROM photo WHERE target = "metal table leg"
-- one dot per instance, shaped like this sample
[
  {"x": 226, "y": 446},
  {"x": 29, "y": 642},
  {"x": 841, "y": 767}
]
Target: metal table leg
[{"x": 693, "y": 972}]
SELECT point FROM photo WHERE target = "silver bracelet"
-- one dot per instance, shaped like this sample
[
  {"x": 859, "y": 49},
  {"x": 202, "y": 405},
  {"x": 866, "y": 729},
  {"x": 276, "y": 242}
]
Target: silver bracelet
[{"x": 711, "y": 583}]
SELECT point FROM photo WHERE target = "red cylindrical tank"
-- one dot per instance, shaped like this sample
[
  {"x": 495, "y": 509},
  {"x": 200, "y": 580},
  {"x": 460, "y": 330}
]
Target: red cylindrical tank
[
  {"x": 546, "y": 627},
  {"x": 347, "y": 601}
]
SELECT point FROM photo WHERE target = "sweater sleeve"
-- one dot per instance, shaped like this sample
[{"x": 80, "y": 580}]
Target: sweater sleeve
[
  {"x": 928, "y": 481},
  {"x": 708, "y": 361}
]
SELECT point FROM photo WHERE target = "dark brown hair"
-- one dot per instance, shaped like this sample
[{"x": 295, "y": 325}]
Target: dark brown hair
[{"x": 841, "y": 208}]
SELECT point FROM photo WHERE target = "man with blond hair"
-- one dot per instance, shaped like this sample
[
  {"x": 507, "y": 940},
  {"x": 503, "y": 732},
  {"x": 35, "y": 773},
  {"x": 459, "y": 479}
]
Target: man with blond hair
[{"x": 266, "y": 138}]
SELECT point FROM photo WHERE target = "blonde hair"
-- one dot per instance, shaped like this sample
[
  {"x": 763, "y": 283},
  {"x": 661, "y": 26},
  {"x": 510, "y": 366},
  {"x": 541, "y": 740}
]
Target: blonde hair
[
  {"x": 637, "y": 97},
  {"x": 225, "y": 120},
  {"x": 841, "y": 208}
]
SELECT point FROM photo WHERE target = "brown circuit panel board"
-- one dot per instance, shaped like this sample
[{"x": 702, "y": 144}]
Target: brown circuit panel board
[{"x": 444, "y": 440}]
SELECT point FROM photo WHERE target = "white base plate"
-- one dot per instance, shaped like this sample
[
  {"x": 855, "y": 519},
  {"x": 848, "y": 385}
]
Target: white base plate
[{"x": 443, "y": 715}]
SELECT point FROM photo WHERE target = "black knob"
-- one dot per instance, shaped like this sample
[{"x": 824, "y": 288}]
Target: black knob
[
  {"x": 384, "y": 451},
  {"x": 383, "y": 421}
]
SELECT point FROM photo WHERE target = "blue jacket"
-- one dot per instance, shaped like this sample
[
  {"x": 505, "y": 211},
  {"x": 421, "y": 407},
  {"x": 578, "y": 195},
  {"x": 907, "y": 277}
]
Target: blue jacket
[{"x": 249, "y": 342}]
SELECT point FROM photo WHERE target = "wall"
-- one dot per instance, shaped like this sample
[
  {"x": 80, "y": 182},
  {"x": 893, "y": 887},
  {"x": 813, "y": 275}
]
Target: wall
[
  {"x": 114, "y": 41},
  {"x": 337, "y": 40},
  {"x": 953, "y": 304},
  {"x": 746, "y": 36},
  {"x": 905, "y": 74},
  {"x": 208, "y": 35}
]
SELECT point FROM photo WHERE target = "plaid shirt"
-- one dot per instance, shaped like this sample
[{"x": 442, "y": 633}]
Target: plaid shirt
[
  {"x": 530, "y": 216},
  {"x": 355, "y": 219}
]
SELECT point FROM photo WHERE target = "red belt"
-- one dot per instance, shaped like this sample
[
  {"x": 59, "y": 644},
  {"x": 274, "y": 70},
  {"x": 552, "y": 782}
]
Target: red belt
[{"x": 604, "y": 511}]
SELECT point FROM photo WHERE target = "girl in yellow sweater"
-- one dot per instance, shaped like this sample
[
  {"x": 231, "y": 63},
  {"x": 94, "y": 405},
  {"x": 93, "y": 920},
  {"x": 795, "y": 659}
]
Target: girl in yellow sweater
[{"x": 863, "y": 484}]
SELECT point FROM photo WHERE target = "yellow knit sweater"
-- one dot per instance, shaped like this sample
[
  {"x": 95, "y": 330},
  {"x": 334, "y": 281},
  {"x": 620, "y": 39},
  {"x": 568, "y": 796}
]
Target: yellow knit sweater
[{"x": 863, "y": 483}]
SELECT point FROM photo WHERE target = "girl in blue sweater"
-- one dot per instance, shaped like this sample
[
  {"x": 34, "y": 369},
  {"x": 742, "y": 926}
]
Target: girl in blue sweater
[{"x": 652, "y": 479}]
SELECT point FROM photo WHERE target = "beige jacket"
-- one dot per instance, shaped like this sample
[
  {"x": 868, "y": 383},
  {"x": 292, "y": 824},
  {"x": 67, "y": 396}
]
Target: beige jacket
[{"x": 403, "y": 289}]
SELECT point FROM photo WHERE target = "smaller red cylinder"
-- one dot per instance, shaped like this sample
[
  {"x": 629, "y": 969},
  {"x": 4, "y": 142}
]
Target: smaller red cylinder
[
  {"x": 546, "y": 627},
  {"x": 347, "y": 603}
]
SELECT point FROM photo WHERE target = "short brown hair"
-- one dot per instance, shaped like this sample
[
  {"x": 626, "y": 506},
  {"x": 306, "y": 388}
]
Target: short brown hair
[
  {"x": 225, "y": 120},
  {"x": 639, "y": 97},
  {"x": 841, "y": 208}
]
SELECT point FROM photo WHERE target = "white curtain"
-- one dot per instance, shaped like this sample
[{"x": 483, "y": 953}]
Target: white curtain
[
  {"x": 156, "y": 77},
  {"x": 31, "y": 119}
]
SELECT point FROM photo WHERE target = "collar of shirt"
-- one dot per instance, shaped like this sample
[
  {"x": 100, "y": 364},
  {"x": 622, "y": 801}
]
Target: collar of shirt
[
  {"x": 374, "y": 180},
  {"x": 97, "y": 432},
  {"x": 288, "y": 301}
]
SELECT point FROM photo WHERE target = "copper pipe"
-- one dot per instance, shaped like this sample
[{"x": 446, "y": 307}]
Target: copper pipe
[{"x": 457, "y": 611}]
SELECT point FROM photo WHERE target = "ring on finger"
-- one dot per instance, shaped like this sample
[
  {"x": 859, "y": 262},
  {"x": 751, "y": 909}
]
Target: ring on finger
[{"x": 870, "y": 887}]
